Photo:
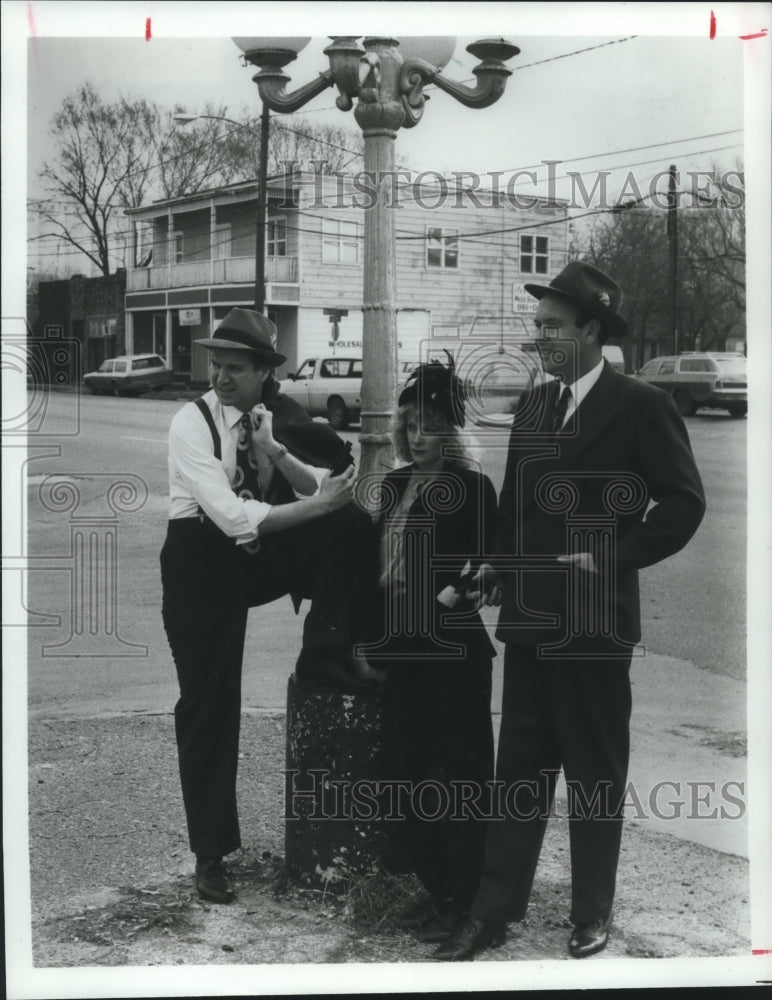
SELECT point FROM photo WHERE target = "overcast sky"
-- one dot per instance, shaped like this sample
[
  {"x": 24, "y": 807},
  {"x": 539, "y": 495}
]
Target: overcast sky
[
  {"x": 624, "y": 87},
  {"x": 630, "y": 95}
]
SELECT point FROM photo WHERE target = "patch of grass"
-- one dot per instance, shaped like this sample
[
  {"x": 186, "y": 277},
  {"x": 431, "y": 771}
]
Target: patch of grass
[
  {"x": 376, "y": 900},
  {"x": 137, "y": 911}
]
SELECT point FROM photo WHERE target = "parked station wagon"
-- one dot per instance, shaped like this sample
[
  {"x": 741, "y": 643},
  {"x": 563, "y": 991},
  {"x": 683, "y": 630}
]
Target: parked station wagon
[
  {"x": 701, "y": 379},
  {"x": 129, "y": 375}
]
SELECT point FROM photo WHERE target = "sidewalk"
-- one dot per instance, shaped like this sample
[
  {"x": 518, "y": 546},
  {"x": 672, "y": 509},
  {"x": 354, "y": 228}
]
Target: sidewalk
[{"x": 111, "y": 870}]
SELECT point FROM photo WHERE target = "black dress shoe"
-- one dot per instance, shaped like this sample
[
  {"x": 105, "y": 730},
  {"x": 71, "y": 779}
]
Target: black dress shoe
[
  {"x": 443, "y": 927},
  {"x": 474, "y": 936},
  {"x": 212, "y": 881},
  {"x": 587, "y": 939}
]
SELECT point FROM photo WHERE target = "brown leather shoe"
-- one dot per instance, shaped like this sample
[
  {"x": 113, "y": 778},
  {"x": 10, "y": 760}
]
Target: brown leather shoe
[
  {"x": 212, "y": 881},
  {"x": 587, "y": 939},
  {"x": 474, "y": 936}
]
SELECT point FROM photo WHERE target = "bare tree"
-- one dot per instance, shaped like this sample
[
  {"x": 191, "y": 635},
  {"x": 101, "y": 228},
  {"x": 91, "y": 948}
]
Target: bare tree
[
  {"x": 101, "y": 165},
  {"x": 206, "y": 153},
  {"x": 109, "y": 157},
  {"x": 292, "y": 141},
  {"x": 631, "y": 244}
]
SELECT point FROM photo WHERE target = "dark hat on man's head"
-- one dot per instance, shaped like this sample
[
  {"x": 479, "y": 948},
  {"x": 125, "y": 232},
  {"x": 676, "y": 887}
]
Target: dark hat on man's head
[
  {"x": 439, "y": 387},
  {"x": 592, "y": 290},
  {"x": 246, "y": 330}
]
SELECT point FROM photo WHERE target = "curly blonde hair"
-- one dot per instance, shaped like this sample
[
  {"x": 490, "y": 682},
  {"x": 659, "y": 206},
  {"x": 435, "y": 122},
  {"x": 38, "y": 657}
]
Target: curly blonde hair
[{"x": 459, "y": 447}]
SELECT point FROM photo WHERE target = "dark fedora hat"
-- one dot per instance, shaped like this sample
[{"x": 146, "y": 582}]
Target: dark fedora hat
[
  {"x": 246, "y": 330},
  {"x": 592, "y": 290}
]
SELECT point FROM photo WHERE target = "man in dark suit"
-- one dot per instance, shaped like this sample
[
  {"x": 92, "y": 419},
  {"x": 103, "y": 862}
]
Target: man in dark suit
[{"x": 600, "y": 482}]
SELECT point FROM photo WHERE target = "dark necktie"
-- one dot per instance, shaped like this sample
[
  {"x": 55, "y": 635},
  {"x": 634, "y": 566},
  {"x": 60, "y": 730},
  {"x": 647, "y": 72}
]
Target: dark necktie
[
  {"x": 246, "y": 484},
  {"x": 559, "y": 410}
]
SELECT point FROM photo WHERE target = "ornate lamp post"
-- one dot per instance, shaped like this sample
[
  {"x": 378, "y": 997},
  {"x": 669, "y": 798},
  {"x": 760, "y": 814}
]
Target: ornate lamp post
[{"x": 387, "y": 78}]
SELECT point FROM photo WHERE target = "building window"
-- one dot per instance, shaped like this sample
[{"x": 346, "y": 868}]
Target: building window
[
  {"x": 441, "y": 247},
  {"x": 534, "y": 255},
  {"x": 340, "y": 242},
  {"x": 178, "y": 247},
  {"x": 276, "y": 237},
  {"x": 696, "y": 365},
  {"x": 222, "y": 241}
]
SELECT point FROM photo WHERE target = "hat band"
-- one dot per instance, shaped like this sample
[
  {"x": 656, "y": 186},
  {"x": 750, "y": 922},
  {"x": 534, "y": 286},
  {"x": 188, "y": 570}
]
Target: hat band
[
  {"x": 240, "y": 337},
  {"x": 566, "y": 288}
]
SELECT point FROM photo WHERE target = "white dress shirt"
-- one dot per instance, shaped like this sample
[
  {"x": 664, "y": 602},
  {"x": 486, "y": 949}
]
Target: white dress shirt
[
  {"x": 579, "y": 390},
  {"x": 197, "y": 478}
]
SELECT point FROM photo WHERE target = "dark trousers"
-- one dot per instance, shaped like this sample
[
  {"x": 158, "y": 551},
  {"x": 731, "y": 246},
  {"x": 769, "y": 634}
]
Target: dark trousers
[
  {"x": 437, "y": 729},
  {"x": 573, "y": 714},
  {"x": 209, "y": 584}
]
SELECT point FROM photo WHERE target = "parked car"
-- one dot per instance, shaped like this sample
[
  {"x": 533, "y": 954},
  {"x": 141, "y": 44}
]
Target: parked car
[
  {"x": 697, "y": 379},
  {"x": 129, "y": 375},
  {"x": 330, "y": 387}
]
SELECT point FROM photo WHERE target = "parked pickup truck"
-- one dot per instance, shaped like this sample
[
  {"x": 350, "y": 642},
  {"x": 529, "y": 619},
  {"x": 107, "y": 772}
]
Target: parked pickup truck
[{"x": 330, "y": 387}]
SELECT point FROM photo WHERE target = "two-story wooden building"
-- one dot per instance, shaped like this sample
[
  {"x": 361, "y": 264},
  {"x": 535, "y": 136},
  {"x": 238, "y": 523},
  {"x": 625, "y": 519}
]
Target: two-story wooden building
[{"x": 463, "y": 257}]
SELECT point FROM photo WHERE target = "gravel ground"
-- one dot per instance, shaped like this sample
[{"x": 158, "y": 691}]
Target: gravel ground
[{"x": 111, "y": 871}]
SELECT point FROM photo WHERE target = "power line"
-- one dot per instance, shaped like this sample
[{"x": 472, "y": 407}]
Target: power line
[
  {"x": 402, "y": 234},
  {"x": 540, "y": 62},
  {"x": 355, "y": 153}
]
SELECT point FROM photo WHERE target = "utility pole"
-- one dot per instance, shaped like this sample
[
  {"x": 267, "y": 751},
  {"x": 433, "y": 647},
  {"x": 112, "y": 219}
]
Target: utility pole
[
  {"x": 262, "y": 199},
  {"x": 672, "y": 236}
]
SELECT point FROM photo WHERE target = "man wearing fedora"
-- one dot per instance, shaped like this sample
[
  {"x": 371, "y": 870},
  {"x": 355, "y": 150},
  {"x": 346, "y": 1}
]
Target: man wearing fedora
[
  {"x": 253, "y": 516},
  {"x": 600, "y": 482}
]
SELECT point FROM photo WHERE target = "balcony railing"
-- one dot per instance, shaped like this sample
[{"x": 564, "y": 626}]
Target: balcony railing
[{"x": 229, "y": 270}]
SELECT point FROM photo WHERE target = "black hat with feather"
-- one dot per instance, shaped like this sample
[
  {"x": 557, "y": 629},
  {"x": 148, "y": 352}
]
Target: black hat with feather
[{"x": 437, "y": 386}]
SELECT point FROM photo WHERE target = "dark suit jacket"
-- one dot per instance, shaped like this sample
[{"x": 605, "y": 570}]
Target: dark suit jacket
[
  {"x": 589, "y": 487},
  {"x": 461, "y": 517}
]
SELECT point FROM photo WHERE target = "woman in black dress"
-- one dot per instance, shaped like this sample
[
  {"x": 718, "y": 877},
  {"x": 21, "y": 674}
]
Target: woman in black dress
[{"x": 438, "y": 524}]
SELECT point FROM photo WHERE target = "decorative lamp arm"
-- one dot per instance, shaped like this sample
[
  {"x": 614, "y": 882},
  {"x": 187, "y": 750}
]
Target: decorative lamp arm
[
  {"x": 491, "y": 82},
  {"x": 414, "y": 74},
  {"x": 272, "y": 84},
  {"x": 491, "y": 76}
]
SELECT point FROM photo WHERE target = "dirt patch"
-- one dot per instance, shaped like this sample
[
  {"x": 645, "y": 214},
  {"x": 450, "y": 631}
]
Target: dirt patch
[
  {"x": 730, "y": 744},
  {"x": 112, "y": 875}
]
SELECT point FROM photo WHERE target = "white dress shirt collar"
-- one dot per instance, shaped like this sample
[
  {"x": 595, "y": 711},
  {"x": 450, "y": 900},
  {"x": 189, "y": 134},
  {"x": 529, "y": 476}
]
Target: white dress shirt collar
[
  {"x": 231, "y": 414},
  {"x": 580, "y": 388}
]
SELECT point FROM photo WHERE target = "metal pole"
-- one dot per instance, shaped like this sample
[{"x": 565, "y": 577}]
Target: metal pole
[
  {"x": 262, "y": 198},
  {"x": 672, "y": 234},
  {"x": 379, "y": 122}
]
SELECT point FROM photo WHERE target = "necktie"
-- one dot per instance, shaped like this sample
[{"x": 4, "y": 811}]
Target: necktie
[
  {"x": 245, "y": 484},
  {"x": 559, "y": 411}
]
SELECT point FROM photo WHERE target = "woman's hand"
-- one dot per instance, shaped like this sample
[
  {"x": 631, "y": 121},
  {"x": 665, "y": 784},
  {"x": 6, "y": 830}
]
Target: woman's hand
[{"x": 485, "y": 590}]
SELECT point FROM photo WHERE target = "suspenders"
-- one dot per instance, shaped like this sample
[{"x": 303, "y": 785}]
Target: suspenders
[
  {"x": 207, "y": 414},
  {"x": 280, "y": 491}
]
